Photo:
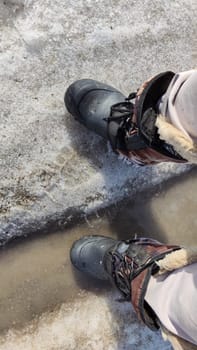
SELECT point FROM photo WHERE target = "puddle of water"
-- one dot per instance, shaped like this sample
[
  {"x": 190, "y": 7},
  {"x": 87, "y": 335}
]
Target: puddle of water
[
  {"x": 37, "y": 276},
  {"x": 169, "y": 215}
]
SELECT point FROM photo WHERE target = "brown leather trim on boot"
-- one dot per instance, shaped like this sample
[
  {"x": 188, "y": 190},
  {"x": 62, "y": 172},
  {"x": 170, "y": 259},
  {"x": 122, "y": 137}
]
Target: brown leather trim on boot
[
  {"x": 130, "y": 265},
  {"x": 140, "y": 283},
  {"x": 142, "y": 308},
  {"x": 148, "y": 156}
]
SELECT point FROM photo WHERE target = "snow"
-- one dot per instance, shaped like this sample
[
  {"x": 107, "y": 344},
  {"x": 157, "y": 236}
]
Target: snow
[
  {"x": 91, "y": 322},
  {"x": 51, "y": 168}
]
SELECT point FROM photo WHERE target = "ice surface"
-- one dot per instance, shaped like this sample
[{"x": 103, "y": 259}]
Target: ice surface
[
  {"x": 37, "y": 276},
  {"x": 92, "y": 322},
  {"x": 51, "y": 168}
]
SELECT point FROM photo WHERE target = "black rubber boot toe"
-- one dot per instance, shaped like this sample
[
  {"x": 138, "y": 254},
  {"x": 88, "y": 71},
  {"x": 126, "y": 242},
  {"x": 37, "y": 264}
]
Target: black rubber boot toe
[
  {"x": 87, "y": 255},
  {"x": 90, "y": 101}
]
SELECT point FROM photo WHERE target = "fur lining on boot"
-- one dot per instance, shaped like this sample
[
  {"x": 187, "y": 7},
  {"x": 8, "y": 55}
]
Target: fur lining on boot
[
  {"x": 177, "y": 342},
  {"x": 177, "y": 259},
  {"x": 182, "y": 144}
]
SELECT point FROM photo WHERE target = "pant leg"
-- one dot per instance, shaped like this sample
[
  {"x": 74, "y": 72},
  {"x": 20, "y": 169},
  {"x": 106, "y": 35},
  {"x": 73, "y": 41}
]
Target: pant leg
[
  {"x": 173, "y": 297},
  {"x": 179, "y": 104}
]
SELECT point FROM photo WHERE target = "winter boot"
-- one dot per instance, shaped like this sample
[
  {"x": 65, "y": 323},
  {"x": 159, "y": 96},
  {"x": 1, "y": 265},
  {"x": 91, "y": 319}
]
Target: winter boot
[
  {"x": 128, "y": 264},
  {"x": 87, "y": 255},
  {"x": 130, "y": 127},
  {"x": 97, "y": 106}
]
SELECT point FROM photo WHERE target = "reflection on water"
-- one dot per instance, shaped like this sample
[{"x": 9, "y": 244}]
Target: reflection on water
[{"x": 37, "y": 277}]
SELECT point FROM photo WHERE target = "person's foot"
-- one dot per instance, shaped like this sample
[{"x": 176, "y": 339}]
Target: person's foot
[
  {"x": 119, "y": 261},
  {"x": 90, "y": 102},
  {"x": 87, "y": 255}
]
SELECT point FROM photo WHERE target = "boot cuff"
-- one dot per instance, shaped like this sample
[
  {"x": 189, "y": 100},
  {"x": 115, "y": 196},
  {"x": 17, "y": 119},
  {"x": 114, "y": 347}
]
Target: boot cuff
[
  {"x": 182, "y": 144},
  {"x": 177, "y": 259}
]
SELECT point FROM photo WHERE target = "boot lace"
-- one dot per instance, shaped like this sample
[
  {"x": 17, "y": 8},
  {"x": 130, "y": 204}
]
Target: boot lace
[
  {"x": 121, "y": 112},
  {"x": 122, "y": 273}
]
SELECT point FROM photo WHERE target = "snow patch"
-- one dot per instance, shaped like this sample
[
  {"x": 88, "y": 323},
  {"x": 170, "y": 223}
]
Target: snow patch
[{"x": 91, "y": 322}]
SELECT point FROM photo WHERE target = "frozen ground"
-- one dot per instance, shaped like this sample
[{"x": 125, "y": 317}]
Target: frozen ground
[
  {"x": 92, "y": 323},
  {"x": 38, "y": 281},
  {"x": 51, "y": 169},
  {"x": 44, "y": 305}
]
